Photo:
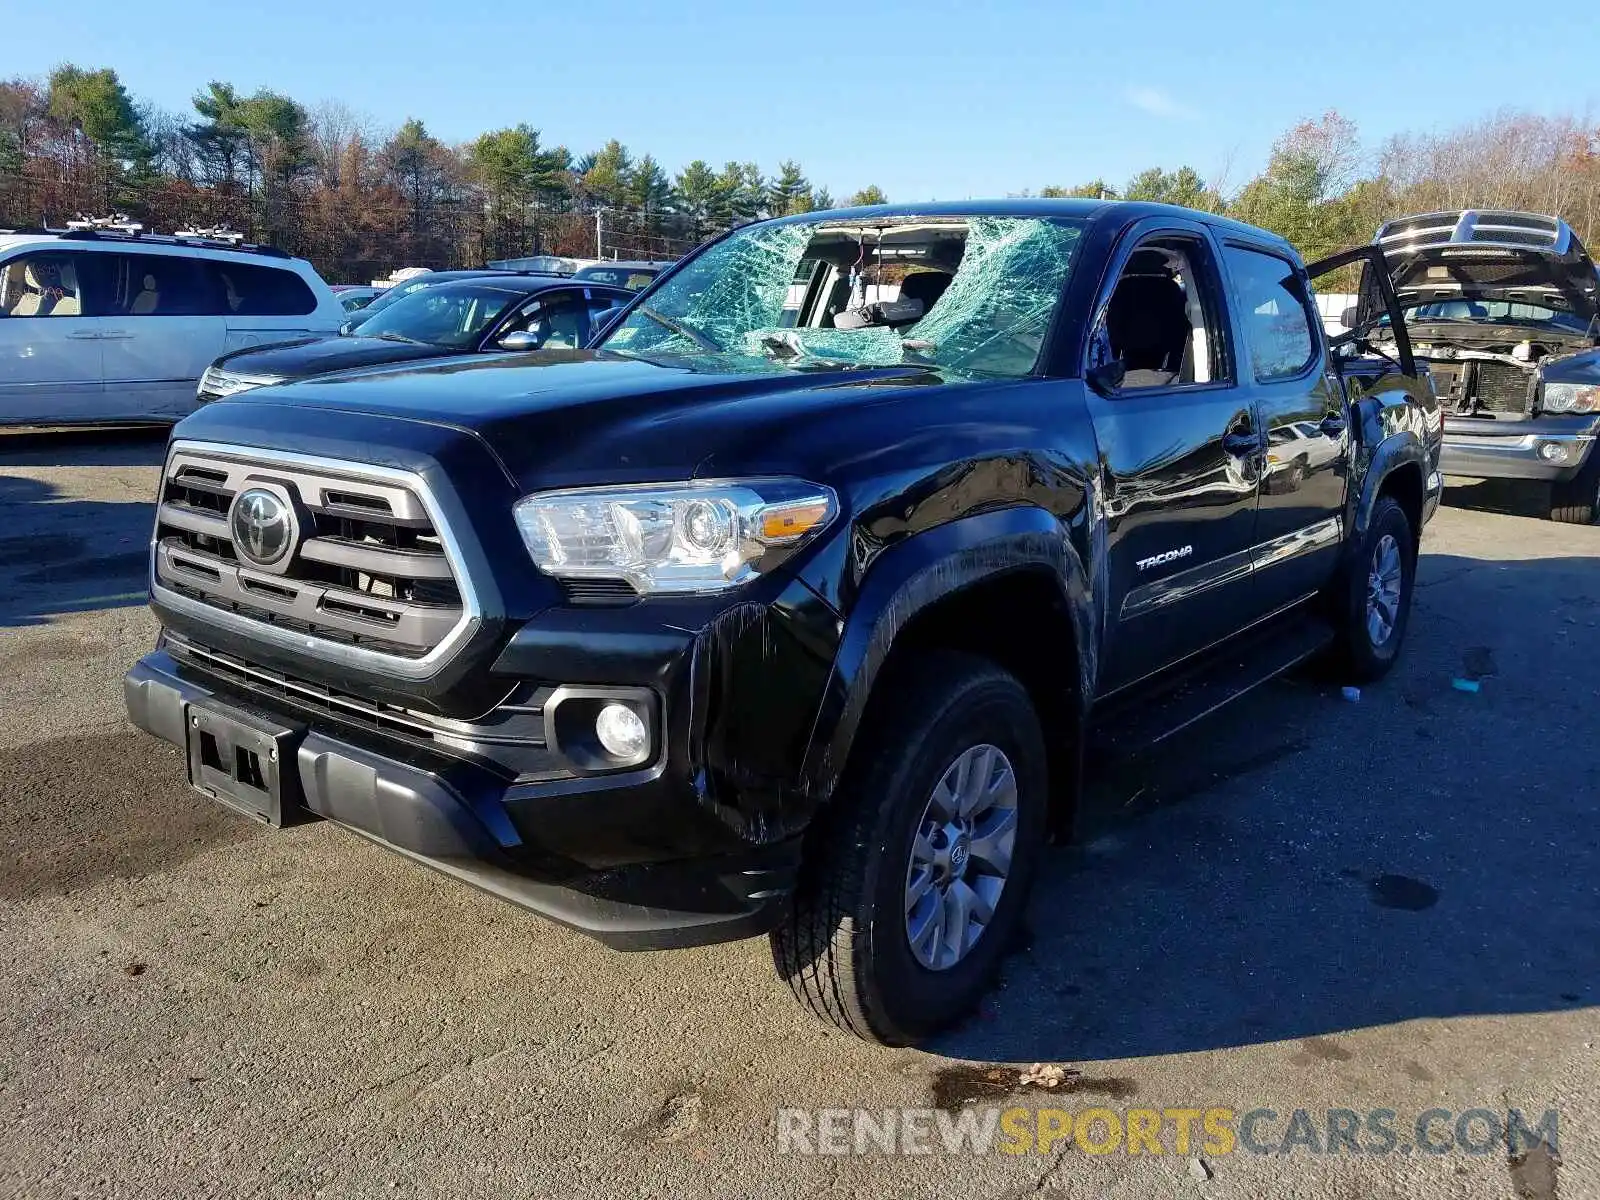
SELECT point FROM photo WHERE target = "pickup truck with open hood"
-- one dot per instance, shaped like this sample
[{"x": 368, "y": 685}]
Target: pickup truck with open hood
[
  {"x": 795, "y": 604},
  {"x": 1503, "y": 308}
]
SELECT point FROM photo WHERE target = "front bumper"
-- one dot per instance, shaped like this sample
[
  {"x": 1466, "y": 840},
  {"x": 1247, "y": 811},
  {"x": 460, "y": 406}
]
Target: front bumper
[
  {"x": 468, "y": 822},
  {"x": 1550, "y": 448}
]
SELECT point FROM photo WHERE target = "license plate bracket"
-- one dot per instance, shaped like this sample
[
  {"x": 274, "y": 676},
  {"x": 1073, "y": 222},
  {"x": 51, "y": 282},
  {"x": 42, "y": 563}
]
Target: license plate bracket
[{"x": 245, "y": 761}]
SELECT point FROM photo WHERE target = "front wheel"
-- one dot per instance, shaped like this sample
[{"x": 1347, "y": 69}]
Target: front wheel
[
  {"x": 1577, "y": 501},
  {"x": 916, "y": 876},
  {"x": 1374, "y": 608}
]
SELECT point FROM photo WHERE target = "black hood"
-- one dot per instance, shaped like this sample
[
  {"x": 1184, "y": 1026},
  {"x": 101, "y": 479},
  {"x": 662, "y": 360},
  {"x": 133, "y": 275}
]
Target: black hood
[
  {"x": 1491, "y": 254},
  {"x": 318, "y": 356},
  {"x": 568, "y": 417},
  {"x": 1564, "y": 282}
]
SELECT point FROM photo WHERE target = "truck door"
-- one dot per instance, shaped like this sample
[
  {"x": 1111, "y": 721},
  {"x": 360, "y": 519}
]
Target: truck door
[
  {"x": 1285, "y": 370},
  {"x": 1181, "y": 450}
]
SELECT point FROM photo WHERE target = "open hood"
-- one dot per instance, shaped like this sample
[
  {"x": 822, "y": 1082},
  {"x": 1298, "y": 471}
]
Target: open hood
[{"x": 1491, "y": 255}]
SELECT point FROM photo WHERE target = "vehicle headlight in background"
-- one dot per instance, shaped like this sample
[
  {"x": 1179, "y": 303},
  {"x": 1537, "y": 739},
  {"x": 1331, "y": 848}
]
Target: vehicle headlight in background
[
  {"x": 217, "y": 384},
  {"x": 1571, "y": 398},
  {"x": 680, "y": 537}
]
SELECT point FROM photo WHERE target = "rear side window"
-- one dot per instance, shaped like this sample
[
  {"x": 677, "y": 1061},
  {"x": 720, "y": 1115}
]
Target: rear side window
[
  {"x": 162, "y": 285},
  {"x": 1276, "y": 313},
  {"x": 254, "y": 290}
]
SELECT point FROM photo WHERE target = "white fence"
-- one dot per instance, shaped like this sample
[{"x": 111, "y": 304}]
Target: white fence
[{"x": 1331, "y": 305}]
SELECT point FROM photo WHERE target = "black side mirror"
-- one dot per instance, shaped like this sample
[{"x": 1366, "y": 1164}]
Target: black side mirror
[
  {"x": 1348, "y": 317},
  {"x": 1107, "y": 377}
]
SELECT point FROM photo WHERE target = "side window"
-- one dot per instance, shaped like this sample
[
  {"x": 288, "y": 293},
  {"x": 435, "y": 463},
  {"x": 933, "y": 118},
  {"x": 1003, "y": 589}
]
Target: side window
[
  {"x": 1276, "y": 312},
  {"x": 558, "y": 322},
  {"x": 164, "y": 285},
  {"x": 1163, "y": 323},
  {"x": 45, "y": 285},
  {"x": 251, "y": 290},
  {"x": 601, "y": 306}
]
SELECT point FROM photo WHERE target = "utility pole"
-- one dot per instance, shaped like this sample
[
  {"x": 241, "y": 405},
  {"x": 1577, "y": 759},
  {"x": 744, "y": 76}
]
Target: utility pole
[{"x": 599, "y": 232}]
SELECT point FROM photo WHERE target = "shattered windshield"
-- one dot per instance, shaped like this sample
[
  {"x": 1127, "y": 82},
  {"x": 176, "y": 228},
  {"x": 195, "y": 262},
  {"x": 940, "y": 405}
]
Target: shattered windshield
[{"x": 971, "y": 294}]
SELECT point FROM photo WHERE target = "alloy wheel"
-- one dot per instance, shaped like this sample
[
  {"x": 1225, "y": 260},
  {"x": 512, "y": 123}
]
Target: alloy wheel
[
  {"x": 961, "y": 856},
  {"x": 1385, "y": 578}
]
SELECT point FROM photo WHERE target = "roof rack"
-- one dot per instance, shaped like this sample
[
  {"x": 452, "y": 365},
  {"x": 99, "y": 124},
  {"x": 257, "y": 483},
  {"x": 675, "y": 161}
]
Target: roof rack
[
  {"x": 212, "y": 233},
  {"x": 115, "y": 223},
  {"x": 118, "y": 228}
]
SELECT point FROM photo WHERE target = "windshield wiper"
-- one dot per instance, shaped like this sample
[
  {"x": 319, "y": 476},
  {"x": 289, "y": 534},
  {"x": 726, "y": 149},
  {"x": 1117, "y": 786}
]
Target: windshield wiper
[
  {"x": 386, "y": 336},
  {"x": 694, "y": 335}
]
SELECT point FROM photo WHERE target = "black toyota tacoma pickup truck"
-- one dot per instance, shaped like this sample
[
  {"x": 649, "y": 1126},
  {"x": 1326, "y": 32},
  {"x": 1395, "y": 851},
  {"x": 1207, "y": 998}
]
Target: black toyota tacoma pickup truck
[{"x": 793, "y": 606}]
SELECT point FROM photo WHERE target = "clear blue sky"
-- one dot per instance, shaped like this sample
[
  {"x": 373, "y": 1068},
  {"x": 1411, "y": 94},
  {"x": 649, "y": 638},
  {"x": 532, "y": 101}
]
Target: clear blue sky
[{"x": 928, "y": 99}]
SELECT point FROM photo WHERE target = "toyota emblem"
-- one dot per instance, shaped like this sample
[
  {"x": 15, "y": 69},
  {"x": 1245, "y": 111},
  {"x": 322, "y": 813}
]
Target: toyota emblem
[{"x": 262, "y": 526}]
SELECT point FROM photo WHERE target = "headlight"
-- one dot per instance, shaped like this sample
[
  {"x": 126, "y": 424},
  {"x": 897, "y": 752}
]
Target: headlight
[
  {"x": 216, "y": 384},
  {"x": 1571, "y": 398},
  {"x": 678, "y": 537}
]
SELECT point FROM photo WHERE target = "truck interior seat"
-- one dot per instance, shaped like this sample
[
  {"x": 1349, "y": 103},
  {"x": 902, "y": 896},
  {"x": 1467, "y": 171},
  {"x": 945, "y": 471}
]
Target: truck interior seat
[
  {"x": 148, "y": 300},
  {"x": 926, "y": 286},
  {"x": 1148, "y": 323}
]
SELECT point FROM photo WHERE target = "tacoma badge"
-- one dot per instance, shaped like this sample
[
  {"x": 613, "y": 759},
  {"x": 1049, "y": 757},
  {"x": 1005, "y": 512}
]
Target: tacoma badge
[{"x": 1160, "y": 560}]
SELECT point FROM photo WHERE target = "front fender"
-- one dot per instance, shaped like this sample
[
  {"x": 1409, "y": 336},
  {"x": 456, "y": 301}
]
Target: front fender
[
  {"x": 1390, "y": 432},
  {"x": 921, "y": 571}
]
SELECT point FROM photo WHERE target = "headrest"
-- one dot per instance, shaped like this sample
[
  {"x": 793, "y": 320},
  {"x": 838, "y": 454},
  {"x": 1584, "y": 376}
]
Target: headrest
[
  {"x": 926, "y": 286},
  {"x": 1147, "y": 262},
  {"x": 149, "y": 283}
]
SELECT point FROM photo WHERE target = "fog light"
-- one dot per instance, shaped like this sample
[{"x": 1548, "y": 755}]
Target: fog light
[
  {"x": 621, "y": 731},
  {"x": 1553, "y": 452}
]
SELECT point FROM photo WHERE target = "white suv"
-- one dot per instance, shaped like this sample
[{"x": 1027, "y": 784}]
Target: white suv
[{"x": 108, "y": 325}]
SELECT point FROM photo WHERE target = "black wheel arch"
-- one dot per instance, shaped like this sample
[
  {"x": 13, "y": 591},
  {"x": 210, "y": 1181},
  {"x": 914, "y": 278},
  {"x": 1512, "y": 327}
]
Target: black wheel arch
[
  {"x": 1398, "y": 466},
  {"x": 1007, "y": 584}
]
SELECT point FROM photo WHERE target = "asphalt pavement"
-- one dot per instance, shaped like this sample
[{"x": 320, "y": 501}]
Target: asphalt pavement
[{"x": 1306, "y": 902}]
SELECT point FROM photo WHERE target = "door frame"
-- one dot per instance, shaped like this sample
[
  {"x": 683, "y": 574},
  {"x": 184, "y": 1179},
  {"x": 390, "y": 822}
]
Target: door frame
[
  {"x": 1188, "y": 582},
  {"x": 1374, "y": 271}
]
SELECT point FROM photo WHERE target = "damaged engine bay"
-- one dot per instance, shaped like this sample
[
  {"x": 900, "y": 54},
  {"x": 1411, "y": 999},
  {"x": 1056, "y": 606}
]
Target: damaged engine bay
[
  {"x": 1485, "y": 355},
  {"x": 1494, "y": 301}
]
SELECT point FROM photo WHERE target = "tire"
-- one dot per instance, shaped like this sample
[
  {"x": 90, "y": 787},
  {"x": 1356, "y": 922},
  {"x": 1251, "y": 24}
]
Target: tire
[
  {"x": 1577, "y": 502},
  {"x": 846, "y": 949},
  {"x": 1367, "y": 649}
]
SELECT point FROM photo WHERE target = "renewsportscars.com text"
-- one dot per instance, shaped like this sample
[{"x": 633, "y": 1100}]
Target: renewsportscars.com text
[{"x": 1214, "y": 1131}]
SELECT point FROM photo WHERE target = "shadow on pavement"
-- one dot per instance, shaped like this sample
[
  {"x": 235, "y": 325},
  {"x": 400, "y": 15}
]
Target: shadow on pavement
[
  {"x": 60, "y": 555},
  {"x": 1422, "y": 852},
  {"x": 121, "y": 446},
  {"x": 1511, "y": 497}
]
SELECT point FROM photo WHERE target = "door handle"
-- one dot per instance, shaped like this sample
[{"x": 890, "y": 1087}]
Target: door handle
[
  {"x": 85, "y": 335},
  {"x": 1241, "y": 443},
  {"x": 112, "y": 334},
  {"x": 1332, "y": 425}
]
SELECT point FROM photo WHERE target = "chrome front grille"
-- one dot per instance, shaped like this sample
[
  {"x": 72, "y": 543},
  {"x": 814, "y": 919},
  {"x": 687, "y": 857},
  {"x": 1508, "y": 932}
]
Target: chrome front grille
[{"x": 371, "y": 571}]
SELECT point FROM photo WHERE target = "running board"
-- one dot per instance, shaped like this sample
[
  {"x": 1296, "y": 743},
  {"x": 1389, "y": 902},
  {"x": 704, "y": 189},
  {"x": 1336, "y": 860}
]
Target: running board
[{"x": 1135, "y": 723}]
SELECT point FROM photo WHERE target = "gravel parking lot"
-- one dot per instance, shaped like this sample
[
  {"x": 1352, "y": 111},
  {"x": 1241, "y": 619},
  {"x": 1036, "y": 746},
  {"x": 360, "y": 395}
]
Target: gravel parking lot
[{"x": 1307, "y": 903}]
